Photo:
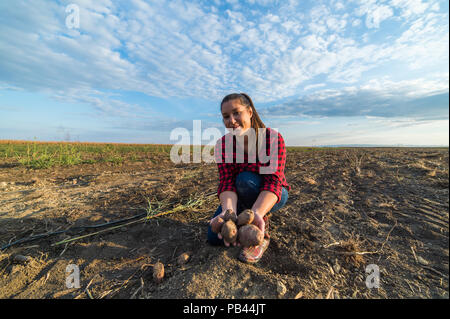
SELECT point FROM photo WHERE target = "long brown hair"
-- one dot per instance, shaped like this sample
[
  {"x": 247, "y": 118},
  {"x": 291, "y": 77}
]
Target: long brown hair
[{"x": 256, "y": 122}]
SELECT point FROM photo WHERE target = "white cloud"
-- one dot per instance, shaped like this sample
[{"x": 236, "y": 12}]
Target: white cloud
[
  {"x": 336, "y": 24},
  {"x": 375, "y": 14},
  {"x": 356, "y": 22},
  {"x": 411, "y": 8},
  {"x": 183, "y": 49},
  {"x": 314, "y": 86},
  {"x": 339, "y": 5},
  {"x": 419, "y": 99}
]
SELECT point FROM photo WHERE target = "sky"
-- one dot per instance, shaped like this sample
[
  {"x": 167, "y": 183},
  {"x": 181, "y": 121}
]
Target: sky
[{"x": 320, "y": 72}]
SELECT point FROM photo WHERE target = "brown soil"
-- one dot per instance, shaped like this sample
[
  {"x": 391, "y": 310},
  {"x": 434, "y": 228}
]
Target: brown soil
[{"x": 347, "y": 209}]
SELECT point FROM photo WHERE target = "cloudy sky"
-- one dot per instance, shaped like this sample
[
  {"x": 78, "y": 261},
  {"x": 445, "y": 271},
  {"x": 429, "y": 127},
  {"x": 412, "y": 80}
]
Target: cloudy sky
[{"x": 321, "y": 72}]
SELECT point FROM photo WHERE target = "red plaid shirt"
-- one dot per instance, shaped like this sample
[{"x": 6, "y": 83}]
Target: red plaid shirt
[{"x": 271, "y": 168}]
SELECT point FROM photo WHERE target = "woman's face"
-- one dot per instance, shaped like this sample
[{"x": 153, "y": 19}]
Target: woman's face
[{"x": 236, "y": 116}]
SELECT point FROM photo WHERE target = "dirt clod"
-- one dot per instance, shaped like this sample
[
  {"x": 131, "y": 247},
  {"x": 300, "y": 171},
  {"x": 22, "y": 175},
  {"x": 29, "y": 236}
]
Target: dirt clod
[
  {"x": 281, "y": 289},
  {"x": 21, "y": 259}
]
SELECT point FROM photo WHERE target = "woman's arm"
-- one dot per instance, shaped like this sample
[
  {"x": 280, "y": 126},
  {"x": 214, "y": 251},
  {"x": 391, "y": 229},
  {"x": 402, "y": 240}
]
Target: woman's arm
[
  {"x": 272, "y": 181},
  {"x": 263, "y": 204},
  {"x": 271, "y": 188},
  {"x": 228, "y": 200}
]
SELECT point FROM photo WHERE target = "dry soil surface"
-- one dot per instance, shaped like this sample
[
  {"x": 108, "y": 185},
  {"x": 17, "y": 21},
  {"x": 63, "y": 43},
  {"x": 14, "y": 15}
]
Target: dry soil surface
[{"x": 349, "y": 210}]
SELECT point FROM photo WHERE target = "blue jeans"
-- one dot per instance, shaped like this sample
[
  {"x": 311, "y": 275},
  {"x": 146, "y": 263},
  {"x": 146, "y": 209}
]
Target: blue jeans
[{"x": 247, "y": 188}]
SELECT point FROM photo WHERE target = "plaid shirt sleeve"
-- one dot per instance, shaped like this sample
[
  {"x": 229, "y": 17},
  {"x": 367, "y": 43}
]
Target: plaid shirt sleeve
[
  {"x": 227, "y": 171},
  {"x": 274, "y": 182}
]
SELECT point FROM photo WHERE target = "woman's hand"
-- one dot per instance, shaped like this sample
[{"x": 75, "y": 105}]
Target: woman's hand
[{"x": 259, "y": 222}]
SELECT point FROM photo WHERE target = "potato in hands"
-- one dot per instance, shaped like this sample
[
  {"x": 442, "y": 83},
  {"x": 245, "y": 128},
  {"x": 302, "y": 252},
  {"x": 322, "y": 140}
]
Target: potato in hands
[
  {"x": 229, "y": 232},
  {"x": 239, "y": 228},
  {"x": 250, "y": 235},
  {"x": 230, "y": 214},
  {"x": 216, "y": 224},
  {"x": 245, "y": 217}
]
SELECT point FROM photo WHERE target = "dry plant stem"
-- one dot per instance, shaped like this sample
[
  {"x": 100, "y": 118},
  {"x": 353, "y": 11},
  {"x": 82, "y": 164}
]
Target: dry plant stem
[
  {"x": 332, "y": 244},
  {"x": 360, "y": 252},
  {"x": 141, "y": 288},
  {"x": 89, "y": 293},
  {"x": 105, "y": 293},
  {"x": 86, "y": 290},
  {"x": 330, "y": 294},
  {"x": 414, "y": 254},
  {"x": 118, "y": 226},
  {"x": 319, "y": 220},
  {"x": 436, "y": 272},
  {"x": 124, "y": 283},
  {"x": 410, "y": 286}
]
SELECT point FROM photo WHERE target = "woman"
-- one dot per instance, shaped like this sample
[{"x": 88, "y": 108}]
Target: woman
[{"x": 249, "y": 183}]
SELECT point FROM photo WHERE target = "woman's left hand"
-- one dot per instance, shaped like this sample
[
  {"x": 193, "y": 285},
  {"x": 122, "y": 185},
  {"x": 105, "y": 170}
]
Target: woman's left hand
[{"x": 259, "y": 222}]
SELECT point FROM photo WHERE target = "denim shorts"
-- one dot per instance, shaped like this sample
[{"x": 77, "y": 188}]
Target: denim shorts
[{"x": 247, "y": 188}]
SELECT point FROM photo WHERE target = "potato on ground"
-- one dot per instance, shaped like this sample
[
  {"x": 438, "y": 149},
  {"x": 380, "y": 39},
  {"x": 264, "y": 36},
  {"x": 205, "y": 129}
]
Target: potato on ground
[
  {"x": 183, "y": 258},
  {"x": 250, "y": 235},
  {"x": 229, "y": 231},
  {"x": 245, "y": 217},
  {"x": 158, "y": 272}
]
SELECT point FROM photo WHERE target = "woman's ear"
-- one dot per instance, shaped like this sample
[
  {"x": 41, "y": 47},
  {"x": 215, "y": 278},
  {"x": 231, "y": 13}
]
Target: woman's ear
[{"x": 250, "y": 110}]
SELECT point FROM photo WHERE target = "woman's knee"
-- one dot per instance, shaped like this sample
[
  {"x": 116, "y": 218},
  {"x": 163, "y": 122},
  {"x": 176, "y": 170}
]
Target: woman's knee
[
  {"x": 282, "y": 202},
  {"x": 213, "y": 239}
]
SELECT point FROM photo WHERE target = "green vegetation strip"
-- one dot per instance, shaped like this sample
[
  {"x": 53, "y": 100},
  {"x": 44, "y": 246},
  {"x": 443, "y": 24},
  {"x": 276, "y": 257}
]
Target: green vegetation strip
[{"x": 41, "y": 155}]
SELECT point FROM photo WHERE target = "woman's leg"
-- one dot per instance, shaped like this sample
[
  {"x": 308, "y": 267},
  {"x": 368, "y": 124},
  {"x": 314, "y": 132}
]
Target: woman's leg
[
  {"x": 282, "y": 202},
  {"x": 247, "y": 187}
]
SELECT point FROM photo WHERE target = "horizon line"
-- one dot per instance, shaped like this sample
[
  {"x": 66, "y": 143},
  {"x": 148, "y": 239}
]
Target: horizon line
[{"x": 5, "y": 141}]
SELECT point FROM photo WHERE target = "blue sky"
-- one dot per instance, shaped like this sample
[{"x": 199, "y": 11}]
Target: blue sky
[{"x": 321, "y": 72}]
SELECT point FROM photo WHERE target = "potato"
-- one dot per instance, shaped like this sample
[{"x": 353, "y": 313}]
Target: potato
[
  {"x": 250, "y": 235},
  {"x": 229, "y": 214},
  {"x": 216, "y": 224},
  {"x": 158, "y": 272},
  {"x": 229, "y": 231},
  {"x": 245, "y": 217},
  {"x": 182, "y": 259}
]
